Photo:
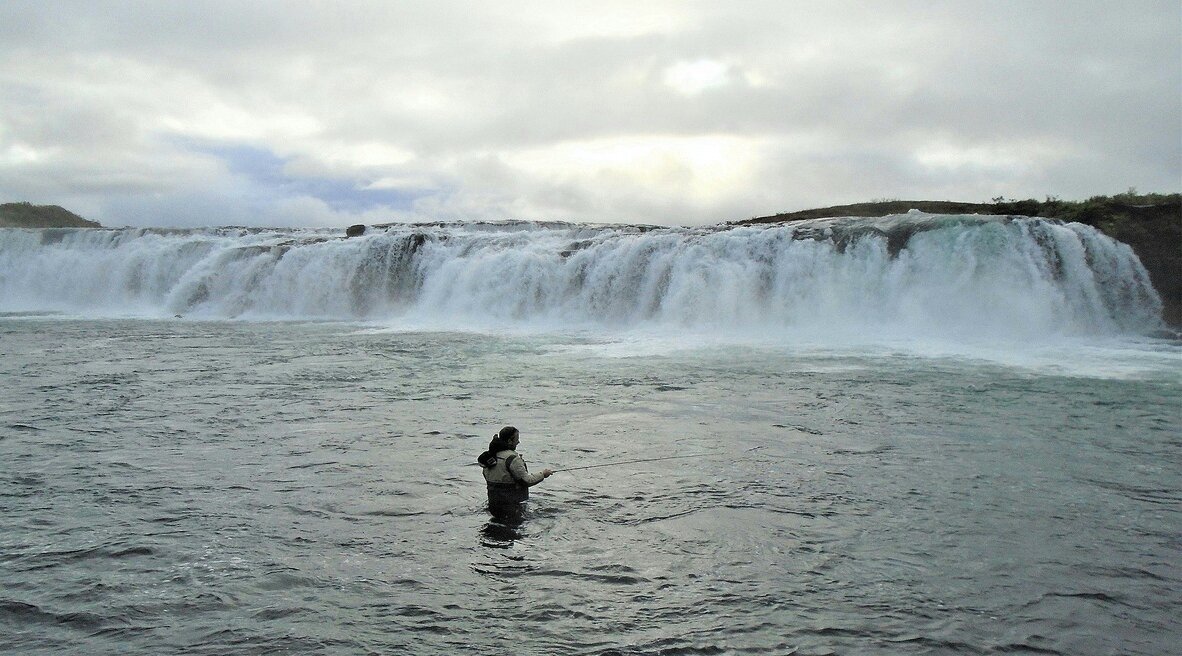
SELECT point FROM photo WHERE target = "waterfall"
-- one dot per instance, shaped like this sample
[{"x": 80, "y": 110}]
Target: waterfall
[{"x": 914, "y": 274}]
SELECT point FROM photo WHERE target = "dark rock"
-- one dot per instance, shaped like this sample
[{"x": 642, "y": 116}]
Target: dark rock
[
  {"x": 575, "y": 246},
  {"x": 355, "y": 230}
]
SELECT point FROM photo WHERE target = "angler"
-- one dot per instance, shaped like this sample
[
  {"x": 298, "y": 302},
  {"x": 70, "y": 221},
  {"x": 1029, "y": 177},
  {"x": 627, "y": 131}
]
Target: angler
[{"x": 506, "y": 473}]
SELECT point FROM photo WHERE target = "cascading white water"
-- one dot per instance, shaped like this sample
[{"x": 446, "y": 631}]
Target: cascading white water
[{"x": 944, "y": 276}]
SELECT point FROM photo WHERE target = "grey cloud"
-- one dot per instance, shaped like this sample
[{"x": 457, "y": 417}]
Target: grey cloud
[{"x": 842, "y": 101}]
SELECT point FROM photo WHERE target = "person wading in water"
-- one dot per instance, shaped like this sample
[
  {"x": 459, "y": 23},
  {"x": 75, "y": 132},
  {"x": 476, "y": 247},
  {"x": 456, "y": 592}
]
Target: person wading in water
[{"x": 505, "y": 472}]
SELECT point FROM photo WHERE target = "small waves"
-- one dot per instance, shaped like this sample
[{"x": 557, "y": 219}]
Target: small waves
[
  {"x": 272, "y": 488},
  {"x": 47, "y": 559},
  {"x": 18, "y": 614},
  {"x": 1155, "y": 495}
]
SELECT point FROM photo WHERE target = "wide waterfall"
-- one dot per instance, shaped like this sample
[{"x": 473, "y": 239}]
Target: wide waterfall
[{"x": 913, "y": 274}]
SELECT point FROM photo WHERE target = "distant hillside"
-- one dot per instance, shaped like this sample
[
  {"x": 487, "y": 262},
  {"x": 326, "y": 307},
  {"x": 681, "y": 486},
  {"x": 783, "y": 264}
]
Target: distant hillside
[
  {"x": 27, "y": 215},
  {"x": 1150, "y": 223}
]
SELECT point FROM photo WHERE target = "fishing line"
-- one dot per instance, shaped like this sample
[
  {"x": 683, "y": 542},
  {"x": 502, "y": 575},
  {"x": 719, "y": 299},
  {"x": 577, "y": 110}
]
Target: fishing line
[{"x": 628, "y": 462}]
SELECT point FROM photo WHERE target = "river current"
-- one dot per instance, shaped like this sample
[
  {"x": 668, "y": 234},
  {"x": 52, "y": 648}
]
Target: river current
[
  {"x": 287, "y": 487},
  {"x": 922, "y": 435}
]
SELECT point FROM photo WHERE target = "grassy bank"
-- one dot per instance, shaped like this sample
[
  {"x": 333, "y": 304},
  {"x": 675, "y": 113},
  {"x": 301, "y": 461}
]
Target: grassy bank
[{"x": 27, "y": 215}]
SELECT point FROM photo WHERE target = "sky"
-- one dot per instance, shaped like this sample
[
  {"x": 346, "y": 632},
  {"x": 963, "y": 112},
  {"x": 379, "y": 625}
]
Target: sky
[{"x": 200, "y": 113}]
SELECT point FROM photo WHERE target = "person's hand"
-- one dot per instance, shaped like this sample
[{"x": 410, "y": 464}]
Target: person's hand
[{"x": 546, "y": 473}]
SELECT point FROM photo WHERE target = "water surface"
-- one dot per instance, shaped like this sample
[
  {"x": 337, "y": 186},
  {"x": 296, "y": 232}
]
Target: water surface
[{"x": 210, "y": 487}]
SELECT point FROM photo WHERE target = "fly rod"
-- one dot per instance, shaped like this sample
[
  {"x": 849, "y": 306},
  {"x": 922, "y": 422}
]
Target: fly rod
[{"x": 627, "y": 462}]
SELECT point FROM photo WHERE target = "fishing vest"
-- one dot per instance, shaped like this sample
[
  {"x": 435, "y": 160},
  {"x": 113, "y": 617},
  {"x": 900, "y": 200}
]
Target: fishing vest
[{"x": 499, "y": 474}]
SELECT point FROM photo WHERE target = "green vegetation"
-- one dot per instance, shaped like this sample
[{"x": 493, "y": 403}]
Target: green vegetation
[
  {"x": 27, "y": 215},
  {"x": 1150, "y": 223}
]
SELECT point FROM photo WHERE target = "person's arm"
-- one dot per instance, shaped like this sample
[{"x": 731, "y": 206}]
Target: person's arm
[{"x": 521, "y": 473}]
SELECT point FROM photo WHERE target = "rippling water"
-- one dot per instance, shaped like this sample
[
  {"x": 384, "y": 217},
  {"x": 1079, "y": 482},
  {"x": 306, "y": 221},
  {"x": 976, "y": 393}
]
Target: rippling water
[{"x": 249, "y": 488}]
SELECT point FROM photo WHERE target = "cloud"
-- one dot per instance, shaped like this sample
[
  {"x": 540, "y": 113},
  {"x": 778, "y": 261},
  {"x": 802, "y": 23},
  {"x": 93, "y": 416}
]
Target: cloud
[
  {"x": 326, "y": 114},
  {"x": 694, "y": 77}
]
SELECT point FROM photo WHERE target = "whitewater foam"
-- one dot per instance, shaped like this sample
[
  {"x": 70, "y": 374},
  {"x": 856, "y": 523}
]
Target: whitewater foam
[{"x": 915, "y": 276}]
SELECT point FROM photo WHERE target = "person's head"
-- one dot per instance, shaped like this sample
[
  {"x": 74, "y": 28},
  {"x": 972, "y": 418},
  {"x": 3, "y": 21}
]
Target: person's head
[
  {"x": 509, "y": 436},
  {"x": 506, "y": 438}
]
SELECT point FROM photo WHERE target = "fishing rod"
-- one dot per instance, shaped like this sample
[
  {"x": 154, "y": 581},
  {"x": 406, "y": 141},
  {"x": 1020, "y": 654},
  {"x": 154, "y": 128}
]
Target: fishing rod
[{"x": 627, "y": 462}]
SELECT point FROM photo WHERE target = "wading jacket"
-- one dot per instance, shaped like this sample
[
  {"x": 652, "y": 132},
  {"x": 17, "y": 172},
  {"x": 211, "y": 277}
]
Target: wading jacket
[{"x": 510, "y": 473}]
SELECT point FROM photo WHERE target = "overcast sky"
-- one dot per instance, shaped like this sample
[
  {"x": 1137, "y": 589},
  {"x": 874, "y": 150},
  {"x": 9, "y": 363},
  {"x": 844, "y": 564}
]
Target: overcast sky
[{"x": 331, "y": 113}]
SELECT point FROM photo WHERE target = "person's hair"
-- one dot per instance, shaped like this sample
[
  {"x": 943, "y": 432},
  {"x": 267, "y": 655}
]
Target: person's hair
[{"x": 500, "y": 442}]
